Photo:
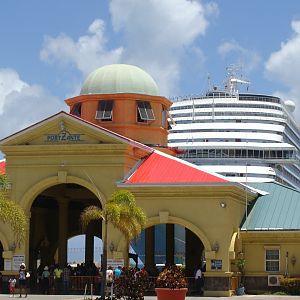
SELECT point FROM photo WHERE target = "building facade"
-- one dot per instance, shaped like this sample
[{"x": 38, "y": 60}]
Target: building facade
[{"x": 115, "y": 137}]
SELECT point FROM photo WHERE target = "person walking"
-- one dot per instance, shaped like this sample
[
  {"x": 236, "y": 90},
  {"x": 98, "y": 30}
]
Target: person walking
[
  {"x": 22, "y": 279},
  {"x": 66, "y": 279},
  {"x": 46, "y": 280},
  {"x": 57, "y": 273},
  {"x": 198, "y": 280},
  {"x": 12, "y": 285}
]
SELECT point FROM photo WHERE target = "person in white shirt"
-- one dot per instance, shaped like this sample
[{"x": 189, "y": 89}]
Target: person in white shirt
[
  {"x": 199, "y": 280},
  {"x": 109, "y": 276}
]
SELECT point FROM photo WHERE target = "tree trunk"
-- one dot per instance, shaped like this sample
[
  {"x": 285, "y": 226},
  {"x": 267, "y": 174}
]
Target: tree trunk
[{"x": 104, "y": 260}]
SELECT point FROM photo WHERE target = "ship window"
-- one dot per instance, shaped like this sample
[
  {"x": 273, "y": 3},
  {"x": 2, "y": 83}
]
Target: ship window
[
  {"x": 76, "y": 110},
  {"x": 212, "y": 153},
  {"x": 144, "y": 111},
  {"x": 105, "y": 109},
  {"x": 261, "y": 154},
  {"x": 231, "y": 152}
]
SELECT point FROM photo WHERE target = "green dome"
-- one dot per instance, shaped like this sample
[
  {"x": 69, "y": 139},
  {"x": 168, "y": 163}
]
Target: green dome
[{"x": 119, "y": 78}]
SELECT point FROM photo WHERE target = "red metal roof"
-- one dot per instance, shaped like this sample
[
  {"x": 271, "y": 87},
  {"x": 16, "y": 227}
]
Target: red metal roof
[
  {"x": 2, "y": 166},
  {"x": 162, "y": 168}
]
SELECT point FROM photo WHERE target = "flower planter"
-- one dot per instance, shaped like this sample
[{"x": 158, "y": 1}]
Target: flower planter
[
  {"x": 240, "y": 291},
  {"x": 171, "y": 294}
]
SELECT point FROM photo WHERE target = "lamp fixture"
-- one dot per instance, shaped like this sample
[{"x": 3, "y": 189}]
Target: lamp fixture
[
  {"x": 216, "y": 246},
  {"x": 13, "y": 246},
  {"x": 293, "y": 260},
  {"x": 223, "y": 204},
  {"x": 111, "y": 247}
]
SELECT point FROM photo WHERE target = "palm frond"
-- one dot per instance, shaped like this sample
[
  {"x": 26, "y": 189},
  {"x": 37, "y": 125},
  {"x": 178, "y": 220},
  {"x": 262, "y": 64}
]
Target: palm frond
[
  {"x": 4, "y": 183},
  {"x": 12, "y": 213},
  {"x": 89, "y": 214},
  {"x": 132, "y": 218},
  {"x": 122, "y": 197},
  {"x": 113, "y": 212}
]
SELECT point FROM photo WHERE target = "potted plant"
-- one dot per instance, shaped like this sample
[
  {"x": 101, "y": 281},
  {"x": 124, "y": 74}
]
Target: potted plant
[{"x": 171, "y": 284}]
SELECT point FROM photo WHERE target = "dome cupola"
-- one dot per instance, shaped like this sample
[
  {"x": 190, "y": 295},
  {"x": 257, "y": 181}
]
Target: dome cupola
[
  {"x": 124, "y": 99},
  {"x": 119, "y": 78}
]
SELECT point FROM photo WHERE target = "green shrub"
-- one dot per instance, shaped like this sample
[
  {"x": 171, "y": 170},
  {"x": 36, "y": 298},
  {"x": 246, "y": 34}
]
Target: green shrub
[
  {"x": 290, "y": 285},
  {"x": 132, "y": 284},
  {"x": 171, "y": 277}
]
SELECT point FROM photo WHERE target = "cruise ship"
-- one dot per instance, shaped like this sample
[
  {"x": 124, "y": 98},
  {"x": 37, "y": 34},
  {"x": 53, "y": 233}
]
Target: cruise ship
[{"x": 243, "y": 136}]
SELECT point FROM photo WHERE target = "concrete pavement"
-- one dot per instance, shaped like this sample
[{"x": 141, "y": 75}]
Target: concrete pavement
[{"x": 80, "y": 297}]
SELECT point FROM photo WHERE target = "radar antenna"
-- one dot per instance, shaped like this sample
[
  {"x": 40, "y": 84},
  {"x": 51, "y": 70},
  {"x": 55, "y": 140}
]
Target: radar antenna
[{"x": 233, "y": 80}]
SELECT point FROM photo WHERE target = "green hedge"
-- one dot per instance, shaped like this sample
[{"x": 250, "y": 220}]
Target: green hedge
[{"x": 290, "y": 285}]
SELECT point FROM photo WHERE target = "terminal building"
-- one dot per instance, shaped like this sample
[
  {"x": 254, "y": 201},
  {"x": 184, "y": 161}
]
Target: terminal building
[{"x": 115, "y": 136}]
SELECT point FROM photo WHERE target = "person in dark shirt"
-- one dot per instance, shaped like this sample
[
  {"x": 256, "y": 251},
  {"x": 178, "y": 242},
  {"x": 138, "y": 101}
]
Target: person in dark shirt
[{"x": 22, "y": 279}]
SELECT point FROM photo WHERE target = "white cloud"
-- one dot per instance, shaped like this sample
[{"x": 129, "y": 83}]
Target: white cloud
[
  {"x": 248, "y": 59},
  {"x": 283, "y": 66},
  {"x": 157, "y": 34},
  {"x": 87, "y": 53},
  {"x": 22, "y": 104}
]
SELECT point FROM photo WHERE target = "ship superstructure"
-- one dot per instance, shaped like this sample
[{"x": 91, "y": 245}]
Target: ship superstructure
[{"x": 243, "y": 136}]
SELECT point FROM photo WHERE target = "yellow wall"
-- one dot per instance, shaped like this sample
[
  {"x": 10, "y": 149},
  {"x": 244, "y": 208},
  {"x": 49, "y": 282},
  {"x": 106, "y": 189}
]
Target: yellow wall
[
  {"x": 255, "y": 244},
  {"x": 98, "y": 162}
]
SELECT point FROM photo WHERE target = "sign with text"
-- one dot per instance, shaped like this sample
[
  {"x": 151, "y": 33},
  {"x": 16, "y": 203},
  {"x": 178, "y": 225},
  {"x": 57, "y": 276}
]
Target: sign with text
[
  {"x": 63, "y": 136},
  {"x": 17, "y": 260},
  {"x": 7, "y": 264},
  {"x": 114, "y": 263},
  {"x": 216, "y": 264}
]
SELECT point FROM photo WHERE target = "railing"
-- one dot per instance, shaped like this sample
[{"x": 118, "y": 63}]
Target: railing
[{"x": 79, "y": 283}]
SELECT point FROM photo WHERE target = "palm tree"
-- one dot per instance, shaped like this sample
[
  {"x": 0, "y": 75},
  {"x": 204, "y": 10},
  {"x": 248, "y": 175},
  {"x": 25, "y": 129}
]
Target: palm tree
[
  {"x": 11, "y": 212},
  {"x": 121, "y": 211}
]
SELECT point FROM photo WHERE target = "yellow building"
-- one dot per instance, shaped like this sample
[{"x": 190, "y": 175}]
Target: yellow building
[{"x": 115, "y": 136}]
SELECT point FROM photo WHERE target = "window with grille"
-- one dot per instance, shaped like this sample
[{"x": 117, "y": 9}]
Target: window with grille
[
  {"x": 272, "y": 260},
  {"x": 105, "y": 110},
  {"x": 76, "y": 110},
  {"x": 144, "y": 111}
]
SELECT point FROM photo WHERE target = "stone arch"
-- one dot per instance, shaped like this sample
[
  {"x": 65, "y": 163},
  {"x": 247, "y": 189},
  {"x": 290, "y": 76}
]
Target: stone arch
[
  {"x": 176, "y": 220},
  {"x": 39, "y": 187},
  {"x": 4, "y": 242},
  {"x": 232, "y": 242}
]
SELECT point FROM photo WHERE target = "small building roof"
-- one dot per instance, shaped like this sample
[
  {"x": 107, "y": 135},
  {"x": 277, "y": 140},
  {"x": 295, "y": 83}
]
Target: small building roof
[
  {"x": 277, "y": 210},
  {"x": 160, "y": 168}
]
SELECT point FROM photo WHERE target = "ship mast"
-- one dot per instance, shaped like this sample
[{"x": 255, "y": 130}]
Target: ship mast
[{"x": 233, "y": 81}]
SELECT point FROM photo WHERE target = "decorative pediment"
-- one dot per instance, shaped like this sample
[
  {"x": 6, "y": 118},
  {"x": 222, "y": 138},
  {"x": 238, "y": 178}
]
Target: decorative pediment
[{"x": 67, "y": 130}]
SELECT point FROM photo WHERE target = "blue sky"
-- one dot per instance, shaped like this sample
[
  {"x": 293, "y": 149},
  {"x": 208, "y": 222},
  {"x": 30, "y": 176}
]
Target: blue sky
[{"x": 48, "y": 48}]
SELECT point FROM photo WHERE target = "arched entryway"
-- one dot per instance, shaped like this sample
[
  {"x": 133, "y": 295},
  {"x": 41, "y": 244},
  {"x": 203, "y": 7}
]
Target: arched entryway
[
  {"x": 169, "y": 244},
  {"x": 76, "y": 250},
  {"x": 1, "y": 258},
  {"x": 55, "y": 214}
]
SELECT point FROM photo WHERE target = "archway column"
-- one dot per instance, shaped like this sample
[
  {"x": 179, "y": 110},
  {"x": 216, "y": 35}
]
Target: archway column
[
  {"x": 89, "y": 244},
  {"x": 62, "y": 230},
  {"x": 170, "y": 243},
  {"x": 149, "y": 250}
]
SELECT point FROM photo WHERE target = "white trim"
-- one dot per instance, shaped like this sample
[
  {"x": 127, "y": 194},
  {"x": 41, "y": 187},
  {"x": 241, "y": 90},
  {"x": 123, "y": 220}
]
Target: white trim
[
  {"x": 85, "y": 123},
  {"x": 275, "y": 260}
]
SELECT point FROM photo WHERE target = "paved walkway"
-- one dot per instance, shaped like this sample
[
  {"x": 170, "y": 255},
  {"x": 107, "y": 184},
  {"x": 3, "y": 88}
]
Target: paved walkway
[{"x": 80, "y": 297}]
